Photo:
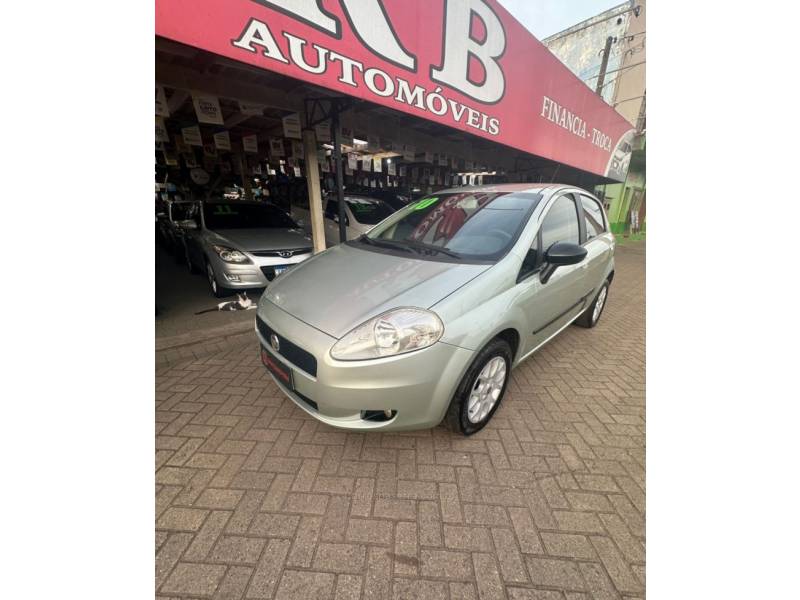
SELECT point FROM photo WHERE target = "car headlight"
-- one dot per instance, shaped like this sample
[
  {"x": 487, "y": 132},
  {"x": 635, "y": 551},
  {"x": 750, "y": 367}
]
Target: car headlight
[
  {"x": 230, "y": 255},
  {"x": 395, "y": 332}
]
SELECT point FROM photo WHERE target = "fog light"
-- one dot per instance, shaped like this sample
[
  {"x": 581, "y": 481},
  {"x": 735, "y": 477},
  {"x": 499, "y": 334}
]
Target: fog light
[{"x": 230, "y": 277}]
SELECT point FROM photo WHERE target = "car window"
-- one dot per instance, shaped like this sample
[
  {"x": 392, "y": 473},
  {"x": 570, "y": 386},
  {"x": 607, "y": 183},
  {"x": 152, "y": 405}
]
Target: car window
[
  {"x": 235, "y": 215},
  {"x": 368, "y": 212},
  {"x": 561, "y": 223},
  {"x": 468, "y": 225},
  {"x": 593, "y": 213}
]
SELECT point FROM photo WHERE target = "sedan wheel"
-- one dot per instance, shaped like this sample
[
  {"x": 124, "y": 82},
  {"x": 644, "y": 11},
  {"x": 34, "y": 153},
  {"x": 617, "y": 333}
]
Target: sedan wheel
[
  {"x": 487, "y": 389},
  {"x": 216, "y": 289},
  {"x": 591, "y": 315},
  {"x": 481, "y": 390}
]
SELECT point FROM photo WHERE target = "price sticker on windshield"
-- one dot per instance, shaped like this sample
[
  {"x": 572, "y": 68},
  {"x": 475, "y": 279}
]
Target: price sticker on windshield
[{"x": 425, "y": 203}]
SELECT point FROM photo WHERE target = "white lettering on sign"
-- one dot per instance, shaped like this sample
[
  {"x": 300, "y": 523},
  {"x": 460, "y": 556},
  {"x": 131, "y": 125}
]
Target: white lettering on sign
[
  {"x": 371, "y": 25},
  {"x": 576, "y": 125},
  {"x": 459, "y": 45},
  {"x": 377, "y": 81}
]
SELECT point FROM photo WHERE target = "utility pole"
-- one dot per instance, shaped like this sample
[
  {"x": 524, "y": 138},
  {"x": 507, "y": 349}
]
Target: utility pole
[{"x": 604, "y": 65}]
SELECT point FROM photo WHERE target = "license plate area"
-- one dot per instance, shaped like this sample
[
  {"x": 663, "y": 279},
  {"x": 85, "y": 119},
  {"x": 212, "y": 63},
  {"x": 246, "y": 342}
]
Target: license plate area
[
  {"x": 281, "y": 269},
  {"x": 281, "y": 372}
]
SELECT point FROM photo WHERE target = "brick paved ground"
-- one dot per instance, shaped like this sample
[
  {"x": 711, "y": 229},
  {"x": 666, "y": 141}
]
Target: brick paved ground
[{"x": 254, "y": 499}]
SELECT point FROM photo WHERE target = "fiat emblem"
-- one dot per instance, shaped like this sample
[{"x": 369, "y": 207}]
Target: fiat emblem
[{"x": 275, "y": 342}]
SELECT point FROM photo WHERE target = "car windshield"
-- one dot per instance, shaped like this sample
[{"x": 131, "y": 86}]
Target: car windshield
[
  {"x": 368, "y": 211},
  {"x": 468, "y": 225},
  {"x": 235, "y": 215}
]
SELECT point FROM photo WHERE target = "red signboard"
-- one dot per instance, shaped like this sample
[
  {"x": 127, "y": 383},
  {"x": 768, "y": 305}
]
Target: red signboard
[{"x": 467, "y": 64}]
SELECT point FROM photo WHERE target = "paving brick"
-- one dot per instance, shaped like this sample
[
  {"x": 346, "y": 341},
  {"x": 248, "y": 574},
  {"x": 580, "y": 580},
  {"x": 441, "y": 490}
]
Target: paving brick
[
  {"x": 467, "y": 538},
  {"x": 419, "y": 589},
  {"x": 234, "y": 584},
  {"x": 348, "y": 587},
  {"x": 370, "y": 531},
  {"x": 169, "y": 554},
  {"x": 219, "y": 499},
  {"x": 567, "y": 544},
  {"x": 182, "y": 519},
  {"x": 340, "y": 558},
  {"x": 204, "y": 540},
  {"x": 557, "y": 573},
  {"x": 237, "y": 550},
  {"x": 265, "y": 577},
  {"x": 304, "y": 585},
  {"x": 512, "y": 566},
  {"x": 405, "y": 549},
  {"x": 194, "y": 579},
  {"x": 487, "y": 575},
  {"x": 305, "y": 542},
  {"x": 445, "y": 564},
  {"x": 578, "y": 521},
  {"x": 615, "y": 565}
]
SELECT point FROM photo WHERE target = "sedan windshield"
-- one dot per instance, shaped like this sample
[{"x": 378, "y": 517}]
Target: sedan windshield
[
  {"x": 468, "y": 225},
  {"x": 235, "y": 215},
  {"x": 368, "y": 211}
]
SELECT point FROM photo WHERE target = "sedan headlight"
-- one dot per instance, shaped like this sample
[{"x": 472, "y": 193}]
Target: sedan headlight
[
  {"x": 230, "y": 255},
  {"x": 395, "y": 332}
]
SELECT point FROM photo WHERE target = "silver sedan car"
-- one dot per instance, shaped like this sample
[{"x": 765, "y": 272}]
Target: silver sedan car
[
  {"x": 241, "y": 245},
  {"x": 423, "y": 318}
]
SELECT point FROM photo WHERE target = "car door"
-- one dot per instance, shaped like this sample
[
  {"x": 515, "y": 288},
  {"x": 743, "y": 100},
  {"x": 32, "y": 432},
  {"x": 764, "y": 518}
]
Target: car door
[
  {"x": 549, "y": 306},
  {"x": 599, "y": 242}
]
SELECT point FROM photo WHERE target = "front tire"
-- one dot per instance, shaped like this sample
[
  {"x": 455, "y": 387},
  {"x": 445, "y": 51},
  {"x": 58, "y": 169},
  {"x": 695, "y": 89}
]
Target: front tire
[
  {"x": 481, "y": 389},
  {"x": 216, "y": 288},
  {"x": 591, "y": 316}
]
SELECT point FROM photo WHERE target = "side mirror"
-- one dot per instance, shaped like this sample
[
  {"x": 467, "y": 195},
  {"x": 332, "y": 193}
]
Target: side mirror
[
  {"x": 561, "y": 254},
  {"x": 187, "y": 224}
]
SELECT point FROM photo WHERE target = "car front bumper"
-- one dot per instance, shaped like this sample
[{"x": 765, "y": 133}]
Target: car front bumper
[
  {"x": 417, "y": 386},
  {"x": 256, "y": 274}
]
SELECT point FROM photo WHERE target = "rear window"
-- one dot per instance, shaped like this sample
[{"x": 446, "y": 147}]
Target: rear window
[{"x": 593, "y": 213}]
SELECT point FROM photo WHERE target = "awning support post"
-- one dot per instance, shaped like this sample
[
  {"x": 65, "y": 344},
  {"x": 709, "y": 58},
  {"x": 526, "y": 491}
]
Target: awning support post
[
  {"x": 314, "y": 193},
  {"x": 337, "y": 159}
]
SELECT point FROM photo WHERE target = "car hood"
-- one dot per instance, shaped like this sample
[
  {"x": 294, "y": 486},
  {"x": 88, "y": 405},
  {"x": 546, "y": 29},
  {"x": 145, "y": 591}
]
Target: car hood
[
  {"x": 261, "y": 238},
  {"x": 341, "y": 288}
]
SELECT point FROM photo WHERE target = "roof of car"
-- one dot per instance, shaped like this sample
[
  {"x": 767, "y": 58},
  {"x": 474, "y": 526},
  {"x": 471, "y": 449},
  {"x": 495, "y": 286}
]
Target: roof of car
[{"x": 507, "y": 187}]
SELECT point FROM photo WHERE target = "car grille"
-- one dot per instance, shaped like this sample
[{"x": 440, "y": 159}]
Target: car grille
[
  {"x": 302, "y": 359},
  {"x": 288, "y": 253}
]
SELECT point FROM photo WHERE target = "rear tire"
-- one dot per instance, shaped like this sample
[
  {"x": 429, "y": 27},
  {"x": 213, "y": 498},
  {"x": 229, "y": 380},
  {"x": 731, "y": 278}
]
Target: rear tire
[
  {"x": 490, "y": 369},
  {"x": 591, "y": 316}
]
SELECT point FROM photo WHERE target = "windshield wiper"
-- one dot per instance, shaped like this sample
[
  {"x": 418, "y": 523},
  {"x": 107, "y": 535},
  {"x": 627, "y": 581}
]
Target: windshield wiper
[
  {"x": 383, "y": 243},
  {"x": 423, "y": 247}
]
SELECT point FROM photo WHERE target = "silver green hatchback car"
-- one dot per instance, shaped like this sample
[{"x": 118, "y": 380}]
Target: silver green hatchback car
[{"x": 422, "y": 319}]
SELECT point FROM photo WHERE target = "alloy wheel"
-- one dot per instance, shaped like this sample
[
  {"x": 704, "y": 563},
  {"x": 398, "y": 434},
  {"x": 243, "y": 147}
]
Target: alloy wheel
[
  {"x": 487, "y": 389},
  {"x": 599, "y": 303}
]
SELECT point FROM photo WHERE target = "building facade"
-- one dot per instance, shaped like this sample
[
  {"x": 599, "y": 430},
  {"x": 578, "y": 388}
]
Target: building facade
[{"x": 622, "y": 85}]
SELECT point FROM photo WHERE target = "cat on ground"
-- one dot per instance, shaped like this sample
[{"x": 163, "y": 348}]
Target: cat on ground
[{"x": 242, "y": 303}]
